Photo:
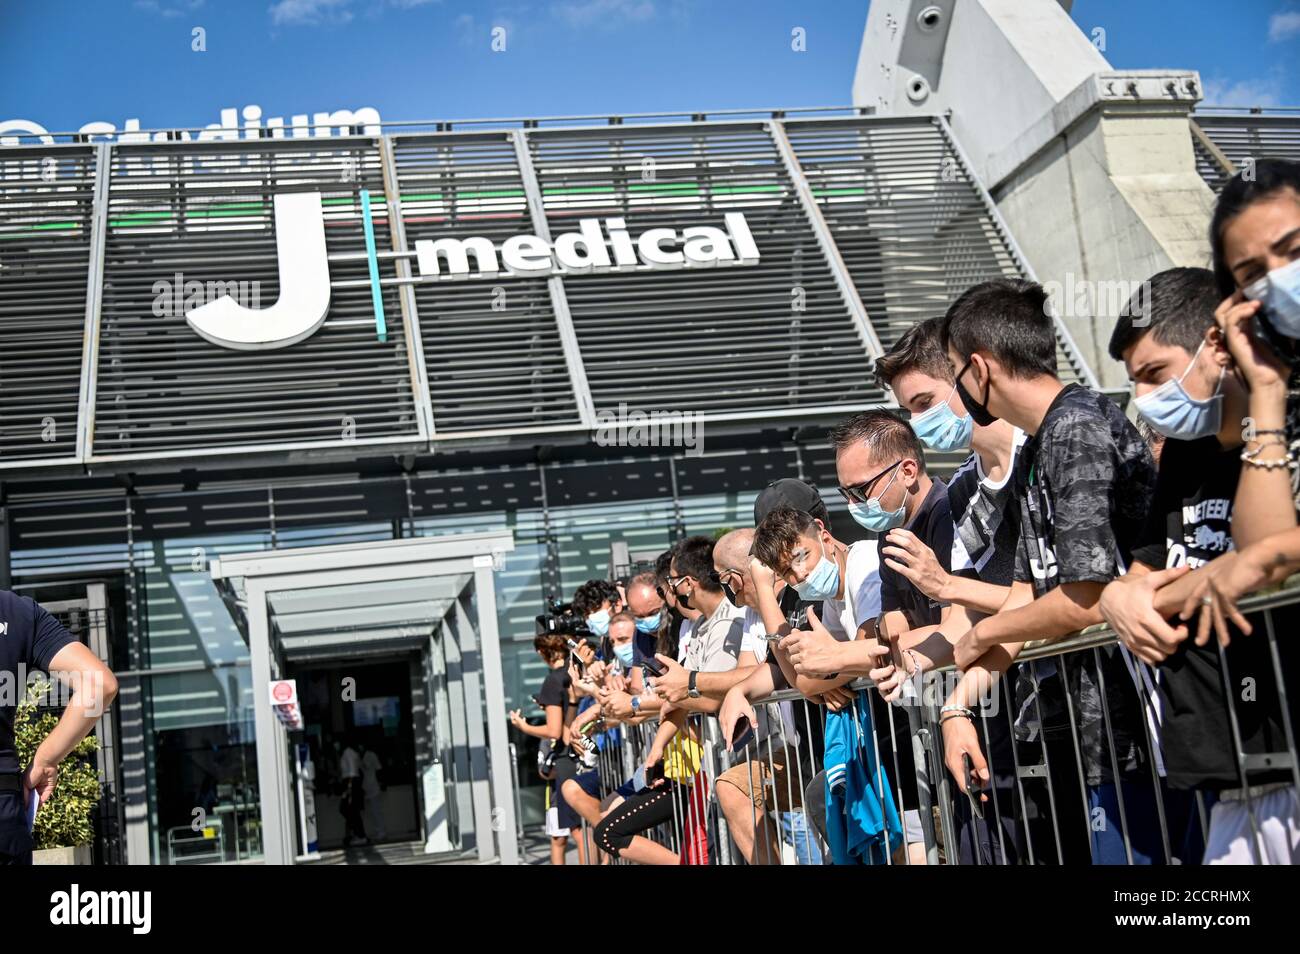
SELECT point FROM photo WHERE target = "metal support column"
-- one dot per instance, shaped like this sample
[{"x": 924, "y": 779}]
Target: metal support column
[
  {"x": 272, "y": 777},
  {"x": 94, "y": 299},
  {"x": 831, "y": 252},
  {"x": 406, "y": 292},
  {"x": 467, "y": 830},
  {"x": 471, "y": 667},
  {"x": 555, "y": 284},
  {"x": 503, "y": 815}
]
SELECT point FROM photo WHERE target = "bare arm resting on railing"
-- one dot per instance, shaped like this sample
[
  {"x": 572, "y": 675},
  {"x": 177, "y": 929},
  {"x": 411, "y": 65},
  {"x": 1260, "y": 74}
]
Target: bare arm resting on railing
[
  {"x": 1215, "y": 589},
  {"x": 911, "y": 558}
]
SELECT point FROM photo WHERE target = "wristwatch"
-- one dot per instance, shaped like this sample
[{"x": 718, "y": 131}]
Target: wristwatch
[
  {"x": 636, "y": 704},
  {"x": 690, "y": 685}
]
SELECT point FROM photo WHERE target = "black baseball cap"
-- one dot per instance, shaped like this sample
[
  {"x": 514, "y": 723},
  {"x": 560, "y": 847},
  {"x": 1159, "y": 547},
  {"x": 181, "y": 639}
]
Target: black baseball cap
[{"x": 794, "y": 493}]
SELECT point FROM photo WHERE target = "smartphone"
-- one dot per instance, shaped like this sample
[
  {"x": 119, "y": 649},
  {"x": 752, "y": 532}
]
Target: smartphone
[
  {"x": 882, "y": 639},
  {"x": 743, "y": 735},
  {"x": 973, "y": 786},
  {"x": 653, "y": 774},
  {"x": 653, "y": 666}
]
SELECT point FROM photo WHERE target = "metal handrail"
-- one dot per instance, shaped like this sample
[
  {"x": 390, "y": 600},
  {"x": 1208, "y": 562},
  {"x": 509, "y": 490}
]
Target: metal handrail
[
  {"x": 1093, "y": 636},
  {"x": 512, "y": 122}
]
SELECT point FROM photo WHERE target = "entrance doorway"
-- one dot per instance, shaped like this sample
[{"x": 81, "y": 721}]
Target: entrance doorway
[
  {"x": 377, "y": 723},
  {"x": 391, "y": 645}
]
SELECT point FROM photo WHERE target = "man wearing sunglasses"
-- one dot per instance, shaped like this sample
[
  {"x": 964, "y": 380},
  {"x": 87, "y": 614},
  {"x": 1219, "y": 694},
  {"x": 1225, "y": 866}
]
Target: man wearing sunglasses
[{"x": 882, "y": 474}]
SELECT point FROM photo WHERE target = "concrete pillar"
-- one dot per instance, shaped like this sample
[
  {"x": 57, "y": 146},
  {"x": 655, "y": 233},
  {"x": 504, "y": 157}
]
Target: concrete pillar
[{"x": 1091, "y": 168}]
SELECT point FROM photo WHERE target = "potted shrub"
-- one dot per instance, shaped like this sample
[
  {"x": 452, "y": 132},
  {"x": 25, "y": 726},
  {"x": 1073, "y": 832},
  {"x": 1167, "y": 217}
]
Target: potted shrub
[{"x": 63, "y": 831}]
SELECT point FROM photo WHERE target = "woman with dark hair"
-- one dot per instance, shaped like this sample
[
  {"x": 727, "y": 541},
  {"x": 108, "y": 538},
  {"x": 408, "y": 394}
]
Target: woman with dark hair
[{"x": 1255, "y": 241}]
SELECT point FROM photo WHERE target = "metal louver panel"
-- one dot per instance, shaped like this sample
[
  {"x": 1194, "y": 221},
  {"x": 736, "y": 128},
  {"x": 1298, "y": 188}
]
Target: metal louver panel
[
  {"x": 907, "y": 218},
  {"x": 730, "y": 341},
  {"x": 46, "y": 213},
  {"x": 492, "y": 350},
  {"x": 202, "y": 212},
  {"x": 1241, "y": 137}
]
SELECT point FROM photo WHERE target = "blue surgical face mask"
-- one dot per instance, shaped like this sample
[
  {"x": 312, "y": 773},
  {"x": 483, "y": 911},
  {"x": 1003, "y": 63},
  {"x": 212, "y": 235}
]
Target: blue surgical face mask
[
  {"x": 598, "y": 622},
  {"x": 943, "y": 429},
  {"x": 648, "y": 624},
  {"x": 624, "y": 653},
  {"x": 823, "y": 582},
  {"x": 1174, "y": 413},
  {"x": 1279, "y": 291},
  {"x": 870, "y": 515}
]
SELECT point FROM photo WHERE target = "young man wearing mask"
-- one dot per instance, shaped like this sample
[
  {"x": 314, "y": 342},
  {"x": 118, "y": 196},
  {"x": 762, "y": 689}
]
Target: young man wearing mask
[
  {"x": 771, "y": 764},
  {"x": 709, "y": 670},
  {"x": 1188, "y": 390},
  {"x": 985, "y": 519},
  {"x": 1083, "y": 488},
  {"x": 596, "y": 602}
]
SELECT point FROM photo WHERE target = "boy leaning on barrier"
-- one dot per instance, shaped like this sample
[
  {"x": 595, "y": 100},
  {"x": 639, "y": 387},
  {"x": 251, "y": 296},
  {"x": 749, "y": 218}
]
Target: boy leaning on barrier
[
  {"x": 985, "y": 526},
  {"x": 1083, "y": 487},
  {"x": 1189, "y": 389},
  {"x": 882, "y": 473}
]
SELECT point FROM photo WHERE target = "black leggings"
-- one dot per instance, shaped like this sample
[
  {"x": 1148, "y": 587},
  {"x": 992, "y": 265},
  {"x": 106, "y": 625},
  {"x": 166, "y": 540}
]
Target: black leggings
[{"x": 634, "y": 815}]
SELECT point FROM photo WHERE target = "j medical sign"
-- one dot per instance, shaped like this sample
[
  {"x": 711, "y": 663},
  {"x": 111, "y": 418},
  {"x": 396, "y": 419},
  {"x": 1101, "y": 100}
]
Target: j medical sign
[{"x": 595, "y": 246}]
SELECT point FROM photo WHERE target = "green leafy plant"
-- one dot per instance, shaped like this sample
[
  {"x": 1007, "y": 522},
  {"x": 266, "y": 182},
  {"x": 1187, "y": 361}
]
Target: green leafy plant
[{"x": 65, "y": 820}]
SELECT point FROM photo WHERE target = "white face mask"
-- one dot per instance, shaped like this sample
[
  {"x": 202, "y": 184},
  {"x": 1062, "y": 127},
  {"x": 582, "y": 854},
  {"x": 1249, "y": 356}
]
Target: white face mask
[{"x": 1279, "y": 291}]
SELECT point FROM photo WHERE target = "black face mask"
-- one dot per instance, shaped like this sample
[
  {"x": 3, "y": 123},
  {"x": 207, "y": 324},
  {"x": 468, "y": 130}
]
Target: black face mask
[
  {"x": 979, "y": 412},
  {"x": 731, "y": 595},
  {"x": 683, "y": 601}
]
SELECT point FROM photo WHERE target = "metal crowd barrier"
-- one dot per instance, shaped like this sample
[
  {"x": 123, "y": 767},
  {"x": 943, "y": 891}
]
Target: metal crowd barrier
[{"x": 1042, "y": 806}]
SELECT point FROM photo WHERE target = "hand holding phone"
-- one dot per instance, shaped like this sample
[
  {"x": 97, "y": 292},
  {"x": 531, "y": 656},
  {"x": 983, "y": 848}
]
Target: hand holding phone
[
  {"x": 653, "y": 666},
  {"x": 973, "y": 786}
]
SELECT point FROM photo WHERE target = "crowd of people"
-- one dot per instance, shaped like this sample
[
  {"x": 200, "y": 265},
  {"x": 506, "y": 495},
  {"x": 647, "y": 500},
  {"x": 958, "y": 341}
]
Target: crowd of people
[{"x": 1168, "y": 744}]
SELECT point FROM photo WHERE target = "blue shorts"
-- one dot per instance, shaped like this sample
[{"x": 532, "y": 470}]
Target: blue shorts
[{"x": 589, "y": 782}]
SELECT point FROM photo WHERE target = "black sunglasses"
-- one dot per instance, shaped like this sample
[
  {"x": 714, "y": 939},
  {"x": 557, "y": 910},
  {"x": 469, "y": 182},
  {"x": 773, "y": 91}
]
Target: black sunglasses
[{"x": 861, "y": 493}]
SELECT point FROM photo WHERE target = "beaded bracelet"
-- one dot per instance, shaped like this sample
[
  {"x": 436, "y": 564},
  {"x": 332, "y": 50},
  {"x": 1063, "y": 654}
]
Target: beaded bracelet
[{"x": 1287, "y": 461}]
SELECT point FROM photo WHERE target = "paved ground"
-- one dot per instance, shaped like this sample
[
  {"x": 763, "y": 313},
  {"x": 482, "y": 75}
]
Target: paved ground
[{"x": 534, "y": 849}]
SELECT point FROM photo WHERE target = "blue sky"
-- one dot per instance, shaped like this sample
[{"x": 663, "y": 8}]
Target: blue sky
[{"x": 67, "y": 62}]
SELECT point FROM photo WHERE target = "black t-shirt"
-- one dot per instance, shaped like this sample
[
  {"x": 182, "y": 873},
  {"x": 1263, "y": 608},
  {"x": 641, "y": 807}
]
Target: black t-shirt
[
  {"x": 932, "y": 523},
  {"x": 555, "y": 690},
  {"x": 29, "y": 638},
  {"x": 1190, "y": 523},
  {"x": 1084, "y": 485}
]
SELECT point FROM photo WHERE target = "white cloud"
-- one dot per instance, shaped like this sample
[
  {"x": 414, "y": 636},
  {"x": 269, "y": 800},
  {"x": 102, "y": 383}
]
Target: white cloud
[
  {"x": 1249, "y": 92},
  {"x": 169, "y": 9},
  {"x": 307, "y": 12},
  {"x": 1283, "y": 26},
  {"x": 582, "y": 13}
]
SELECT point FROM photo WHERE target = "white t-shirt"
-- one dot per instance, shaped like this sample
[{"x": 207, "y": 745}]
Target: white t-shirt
[
  {"x": 684, "y": 635},
  {"x": 350, "y": 763},
  {"x": 862, "y": 591},
  {"x": 753, "y": 641},
  {"x": 370, "y": 766}
]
